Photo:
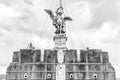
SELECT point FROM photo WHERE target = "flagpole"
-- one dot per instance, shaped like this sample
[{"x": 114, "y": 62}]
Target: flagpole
[{"x": 60, "y": 3}]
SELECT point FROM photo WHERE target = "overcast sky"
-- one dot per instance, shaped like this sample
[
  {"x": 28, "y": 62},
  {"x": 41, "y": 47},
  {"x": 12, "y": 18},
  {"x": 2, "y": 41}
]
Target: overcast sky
[{"x": 96, "y": 24}]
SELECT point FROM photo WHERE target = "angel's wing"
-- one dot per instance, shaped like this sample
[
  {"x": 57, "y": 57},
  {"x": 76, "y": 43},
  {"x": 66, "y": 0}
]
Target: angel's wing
[
  {"x": 50, "y": 13},
  {"x": 67, "y": 19}
]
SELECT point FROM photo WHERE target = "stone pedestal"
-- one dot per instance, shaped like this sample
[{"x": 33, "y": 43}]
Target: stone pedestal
[{"x": 60, "y": 41}]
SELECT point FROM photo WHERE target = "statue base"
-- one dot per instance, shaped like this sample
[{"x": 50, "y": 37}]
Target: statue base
[{"x": 60, "y": 41}]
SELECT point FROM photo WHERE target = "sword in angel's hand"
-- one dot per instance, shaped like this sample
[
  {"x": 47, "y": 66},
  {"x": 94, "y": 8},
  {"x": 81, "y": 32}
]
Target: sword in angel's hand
[
  {"x": 50, "y": 13},
  {"x": 67, "y": 19}
]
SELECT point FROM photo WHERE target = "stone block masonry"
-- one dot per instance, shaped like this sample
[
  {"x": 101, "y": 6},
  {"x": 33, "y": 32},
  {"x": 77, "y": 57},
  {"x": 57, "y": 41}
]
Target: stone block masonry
[{"x": 93, "y": 65}]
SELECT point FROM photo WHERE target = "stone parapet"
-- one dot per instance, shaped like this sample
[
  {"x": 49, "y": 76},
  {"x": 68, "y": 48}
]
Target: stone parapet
[{"x": 27, "y": 65}]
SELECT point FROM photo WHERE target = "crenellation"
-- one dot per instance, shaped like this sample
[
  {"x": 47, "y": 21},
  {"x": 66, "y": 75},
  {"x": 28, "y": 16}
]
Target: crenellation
[
  {"x": 105, "y": 57},
  {"x": 37, "y": 56},
  {"x": 15, "y": 56},
  {"x": 50, "y": 56},
  {"x": 70, "y": 56},
  {"x": 26, "y": 55},
  {"x": 32, "y": 65},
  {"x": 94, "y": 56}
]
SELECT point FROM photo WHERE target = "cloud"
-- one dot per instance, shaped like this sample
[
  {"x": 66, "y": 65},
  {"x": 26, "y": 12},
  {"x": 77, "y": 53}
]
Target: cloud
[
  {"x": 43, "y": 43},
  {"x": 82, "y": 15},
  {"x": 7, "y": 15},
  {"x": 6, "y": 11},
  {"x": 29, "y": 2},
  {"x": 19, "y": 18},
  {"x": 108, "y": 33},
  {"x": 3, "y": 69},
  {"x": 104, "y": 12}
]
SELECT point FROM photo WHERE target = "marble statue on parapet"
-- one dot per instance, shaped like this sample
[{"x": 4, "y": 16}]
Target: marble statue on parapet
[{"x": 59, "y": 20}]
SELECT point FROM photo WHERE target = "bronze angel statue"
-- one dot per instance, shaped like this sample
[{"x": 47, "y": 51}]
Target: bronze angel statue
[{"x": 58, "y": 20}]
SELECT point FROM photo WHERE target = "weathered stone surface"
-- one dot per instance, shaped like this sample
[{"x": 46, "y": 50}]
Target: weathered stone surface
[
  {"x": 80, "y": 75},
  {"x": 60, "y": 41},
  {"x": 81, "y": 67},
  {"x": 25, "y": 67},
  {"x": 13, "y": 67},
  {"x": 40, "y": 75},
  {"x": 50, "y": 76},
  {"x": 94, "y": 56},
  {"x": 12, "y": 71},
  {"x": 38, "y": 67},
  {"x": 83, "y": 54},
  {"x": 93, "y": 64},
  {"x": 94, "y": 67},
  {"x": 50, "y": 56},
  {"x": 37, "y": 71},
  {"x": 70, "y": 67},
  {"x": 26, "y": 55},
  {"x": 110, "y": 72},
  {"x": 70, "y": 56},
  {"x": 105, "y": 57},
  {"x": 12, "y": 76},
  {"x": 37, "y": 55},
  {"x": 16, "y": 56},
  {"x": 70, "y": 75}
]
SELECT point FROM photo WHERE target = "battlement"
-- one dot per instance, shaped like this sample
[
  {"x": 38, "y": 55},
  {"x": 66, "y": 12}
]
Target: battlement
[
  {"x": 29, "y": 62},
  {"x": 34, "y": 56}
]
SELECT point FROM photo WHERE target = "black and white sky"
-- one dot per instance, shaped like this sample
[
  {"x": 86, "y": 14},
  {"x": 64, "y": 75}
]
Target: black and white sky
[{"x": 96, "y": 24}]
